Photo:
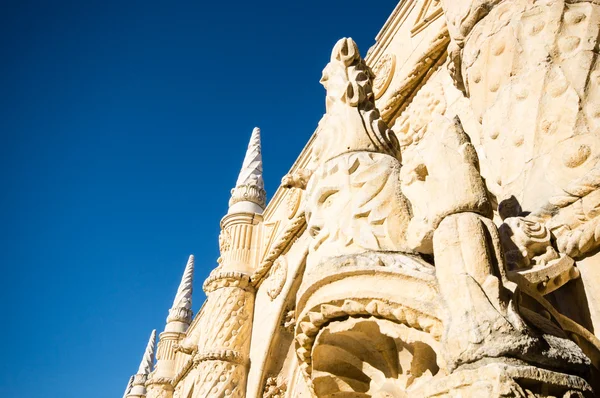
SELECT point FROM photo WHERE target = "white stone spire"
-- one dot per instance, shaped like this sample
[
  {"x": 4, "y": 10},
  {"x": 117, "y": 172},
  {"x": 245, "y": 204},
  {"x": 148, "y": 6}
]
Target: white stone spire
[
  {"x": 148, "y": 358},
  {"x": 180, "y": 314},
  {"x": 138, "y": 388},
  {"x": 249, "y": 192},
  {"x": 128, "y": 388}
]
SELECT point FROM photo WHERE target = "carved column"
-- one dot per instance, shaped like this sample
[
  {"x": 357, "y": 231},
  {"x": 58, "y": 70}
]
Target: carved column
[{"x": 224, "y": 347}]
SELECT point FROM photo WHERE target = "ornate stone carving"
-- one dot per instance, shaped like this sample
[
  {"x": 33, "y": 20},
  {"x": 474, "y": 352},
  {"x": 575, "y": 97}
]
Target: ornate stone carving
[
  {"x": 525, "y": 241},
  {"x": 274, "y": 389},
  {"x": 573, "y": 215},
  {"x": 349, "y": 208},
  {"x": 289, "y": 321},
  {"x": 248, "y": 193},
  {"x": 224, "y": 241},
  {"x": 348, "y": 81},
  {"x": 220, "y": 280},
  {"x": 293, "y": 202},
  {"x": 292, "y": 230},
  {"x": 384, "y": 73},
  {"x": 412, "y": 125},
  {"x": 299, "y": 179},
  {"x": 277, "y": 277},
  {"x": 389, "y": 363},
  {"x": 414, "y": 77}
]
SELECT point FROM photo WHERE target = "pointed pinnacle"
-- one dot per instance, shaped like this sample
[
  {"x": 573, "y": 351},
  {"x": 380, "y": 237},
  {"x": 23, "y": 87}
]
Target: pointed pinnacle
[
  {"x": 251, "y": 172},
  {"x": 148, "y": 358},
  {"x": 128, "y": 388},
  {"x": 183, "y": 299}
]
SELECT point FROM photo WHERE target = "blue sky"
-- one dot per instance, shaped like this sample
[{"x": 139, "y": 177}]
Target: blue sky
[{"x": 124, "y": 125}]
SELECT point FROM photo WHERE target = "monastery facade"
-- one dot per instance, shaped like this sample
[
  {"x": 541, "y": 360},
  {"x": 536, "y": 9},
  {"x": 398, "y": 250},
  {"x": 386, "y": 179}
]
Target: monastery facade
[{"x": 438, "y": 236}]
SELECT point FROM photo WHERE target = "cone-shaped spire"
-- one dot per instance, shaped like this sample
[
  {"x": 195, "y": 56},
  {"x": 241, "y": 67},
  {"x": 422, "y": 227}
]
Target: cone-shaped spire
[
  {"x": 128, "y": 388},
  {"x": 184, "y": 292},
  {"x": 148, "y": 359},
  {"x": 180, "y": 314},
  {"x": 250, "y": 186},
  {"x": 251, "y": 172}
]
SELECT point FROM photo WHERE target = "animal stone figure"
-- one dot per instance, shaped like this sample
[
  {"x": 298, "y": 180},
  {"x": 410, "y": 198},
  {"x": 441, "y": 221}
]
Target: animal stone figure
[
  {"x": 353, "y": 197},
  {"x": 526, "y": 243}
]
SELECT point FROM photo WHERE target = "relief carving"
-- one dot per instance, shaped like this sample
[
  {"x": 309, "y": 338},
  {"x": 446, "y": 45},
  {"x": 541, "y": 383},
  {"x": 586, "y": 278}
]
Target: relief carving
[
  {"x": 277, "y": 277},
  {"x": 384, "y": 73}
]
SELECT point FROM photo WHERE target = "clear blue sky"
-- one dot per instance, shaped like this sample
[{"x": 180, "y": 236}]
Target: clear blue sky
[{"x": 124, "y": 124}]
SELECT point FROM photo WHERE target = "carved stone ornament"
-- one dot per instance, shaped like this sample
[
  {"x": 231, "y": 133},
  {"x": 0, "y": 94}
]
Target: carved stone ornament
[
  {"x": 274, "y": 389},
  {"x": 293, "y": 202},
  {"x": 384, "y": 73},
  {"x": 220, "y": 280},
  {"x": 248, "y": 193},
  {"x": 277, "y": 277}
]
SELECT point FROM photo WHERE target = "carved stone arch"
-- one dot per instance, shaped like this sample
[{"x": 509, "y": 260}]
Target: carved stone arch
[{"x": 371, "y": 357}]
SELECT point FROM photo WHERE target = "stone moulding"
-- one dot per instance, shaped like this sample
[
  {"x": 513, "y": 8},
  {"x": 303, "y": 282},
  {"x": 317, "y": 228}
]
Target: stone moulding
[
  {"x": 506, "y": 380},
  {"x": 184, "y": 370},
  {"x": 220, "y": 355},
  {"x": 333, "y": 294},
  {"x": 227, "y": 279},
  {"x": 180, "y": 314},
  {"x": 318, "y": 317},
  {"x": 248, "y": 193},
  {"x": 164, "y": 381},
  {"x": 292, "y": 230},
  {"x": 415, "y": 76}
]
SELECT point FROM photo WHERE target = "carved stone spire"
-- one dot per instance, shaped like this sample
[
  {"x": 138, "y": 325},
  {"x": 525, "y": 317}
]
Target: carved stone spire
[
  {"x": 128, "y": 388},
  {"x": 148, "y": 358},
  {"x": 138, "y": 388},
  {"x": 249, "y": 189},
  {"x": 180, "y": 314}
]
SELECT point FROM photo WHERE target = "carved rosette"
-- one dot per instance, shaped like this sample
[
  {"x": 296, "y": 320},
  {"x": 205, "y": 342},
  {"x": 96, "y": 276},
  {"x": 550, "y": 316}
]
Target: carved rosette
[
  {"x": 384, "y": 73},
  {"x": 277, "y": 277},
  {"x": 248, "y": 193},
  {"x": 293, "y": 202}
]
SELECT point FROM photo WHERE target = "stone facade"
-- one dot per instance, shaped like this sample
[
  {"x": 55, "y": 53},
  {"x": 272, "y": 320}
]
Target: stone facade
[{"x": 438, "y": 236}]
